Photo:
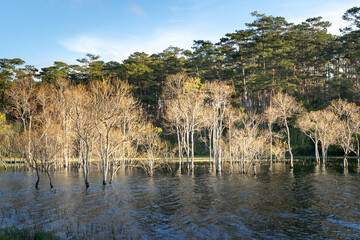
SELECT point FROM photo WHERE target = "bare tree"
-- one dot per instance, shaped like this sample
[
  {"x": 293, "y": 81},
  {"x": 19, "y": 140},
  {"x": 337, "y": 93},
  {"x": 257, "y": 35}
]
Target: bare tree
[
  {"x": 232, "y": 117},
  {"x": 185, "y": 105},
  {"x": 125, "y": 134},
  {"x": 47, "y": 143},
  {"x": 346, "y": 127},
  {"x": 308, "y": 124},
  {"x": 172, "y": 90},
  {"x": 249, "y": 142},
  {"x": 286, "y": 108},
  {"x": 64, "y": 110},
  {"x": 153, "y": 147},
  {"x": 82, "y": 117},
  {"x": 174, "y": 118},
  {"x": 111, "y": 99},
  {"x": 271, "y": 116},
  {"x": 218, "y": 95},
  {"x": 4, "y": 138},
  {"x": 21, "y": 97},
  {"x": 326, "y": 126}
]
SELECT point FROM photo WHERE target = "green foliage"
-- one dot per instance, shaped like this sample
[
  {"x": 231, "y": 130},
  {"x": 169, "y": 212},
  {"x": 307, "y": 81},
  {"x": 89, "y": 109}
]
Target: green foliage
[{"x": 24, "y": 234}]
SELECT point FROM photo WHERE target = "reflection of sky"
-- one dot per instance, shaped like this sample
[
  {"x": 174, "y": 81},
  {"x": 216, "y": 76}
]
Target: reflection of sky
[{"x": 307, "y": 202}]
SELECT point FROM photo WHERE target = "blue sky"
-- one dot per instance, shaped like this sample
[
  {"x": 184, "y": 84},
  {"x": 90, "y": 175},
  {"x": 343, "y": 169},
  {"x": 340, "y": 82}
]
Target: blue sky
[{"x": 43, "y": 31}]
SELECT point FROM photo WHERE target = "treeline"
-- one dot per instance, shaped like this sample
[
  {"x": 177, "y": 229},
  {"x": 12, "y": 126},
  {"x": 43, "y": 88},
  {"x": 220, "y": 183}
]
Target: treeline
[
  {"x": 234, "y": 96},
  {"x": 270, "y": 55}
]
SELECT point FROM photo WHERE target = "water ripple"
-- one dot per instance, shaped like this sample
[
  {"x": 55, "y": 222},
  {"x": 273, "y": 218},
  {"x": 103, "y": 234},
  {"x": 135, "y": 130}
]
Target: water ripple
[{"x": 276, "y": 203}]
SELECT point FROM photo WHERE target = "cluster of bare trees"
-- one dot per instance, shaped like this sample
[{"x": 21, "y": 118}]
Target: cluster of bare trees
[
  {"x": 62, "y": 122},
  {"x": 233, "y": 135},
  {"x": 230, "y": 134},
  {"x": 338, "y": 124}
]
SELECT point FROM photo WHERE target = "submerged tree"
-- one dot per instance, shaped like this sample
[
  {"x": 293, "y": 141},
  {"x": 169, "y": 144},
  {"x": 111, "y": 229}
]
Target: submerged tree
[
  {"x": 153, "y": 147},
  {"x": 308, "y": 124},
  {"x": 218, "y": 100},
  {"x": 4, "y": 138},
  {"x": 110, "y": 102},
  {"x": 47, "y": 144},
  {"x": 184, "y": 111},
  {"x": 83, "y": 125},
  {"x": 271, "y": 116},
  {"x": 346, "y": 126},
  {"x": 21, "y": 98},
  {"x": 286, "y": 107}
]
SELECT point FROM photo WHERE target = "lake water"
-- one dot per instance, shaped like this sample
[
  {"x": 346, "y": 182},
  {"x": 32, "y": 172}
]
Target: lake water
[{"x": 310, "y": 201}]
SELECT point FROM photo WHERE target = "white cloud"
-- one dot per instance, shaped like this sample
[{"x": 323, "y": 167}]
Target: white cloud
[
  {"x": 332, "y": 13},
  {"x": 113, "y": 49},
  {"x": 137, "y": 10},
  {"x": 335, "y": 17}
]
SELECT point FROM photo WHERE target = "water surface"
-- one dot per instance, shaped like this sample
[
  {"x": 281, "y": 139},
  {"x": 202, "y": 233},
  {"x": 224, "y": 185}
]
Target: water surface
[{"x": 308, "y": 202}]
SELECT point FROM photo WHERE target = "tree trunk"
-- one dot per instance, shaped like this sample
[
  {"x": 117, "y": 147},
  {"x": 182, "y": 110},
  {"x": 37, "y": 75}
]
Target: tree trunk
[
  {"x": 210, "y": 145},
  {"x": 151, "y": 170},
  {"x": 105, "y": 171},
  {"x": 357, "y": 150},
  {"x": 49, "y": 176},
  {"x": 230, "y": 153},
  {"x": 192, "y": 150},
  {"x": 346, "y": 164},
  {"x": 219, "y": 144},
  {"x": 289, "y": 145},
  {"x": 179, "y": 146},
  {"x": 317, "y": 156},
  {"x": 2, "y": 161},
  {"x": 38, "y": 177},
  {"x": 263, "y": 105},
  {"x": 243, "y": 159},
  {"x": 114, "y": 171},
  {"x": 271, "y": 141},
  {"x": 86, "y": 166},
  {"x": 187, "y": 149},
  {"x": 323, "y": 151}
]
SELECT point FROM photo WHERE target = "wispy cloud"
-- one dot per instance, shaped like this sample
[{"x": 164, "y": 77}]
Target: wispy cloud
[
  {"x": 332, "y": 13},
  {"x": 137, "y": 10},
  {"x": 114, "y": 49}
]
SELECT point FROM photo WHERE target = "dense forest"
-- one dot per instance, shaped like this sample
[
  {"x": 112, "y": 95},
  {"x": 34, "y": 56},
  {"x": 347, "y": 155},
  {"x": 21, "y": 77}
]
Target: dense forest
[{"x": 271, "y": 89}]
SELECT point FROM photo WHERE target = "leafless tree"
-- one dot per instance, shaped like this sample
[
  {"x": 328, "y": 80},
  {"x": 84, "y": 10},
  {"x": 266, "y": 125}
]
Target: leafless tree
[
  {"x": 346, "y": 126},
  {"x": 218, "y": 97},
  {"x": 111, "y": 103},
  {"x": 185, "y": 111},
  {"x": 271, "y": 116},
  {"x": 64, "y": 110},
  {"x": 21, "y": 97},
  {"x": 309, "y": 125},
  {"x": 286, "y": 108},
  {"x": 83, "y": 124},
  {"x": 153, "y": 146}
]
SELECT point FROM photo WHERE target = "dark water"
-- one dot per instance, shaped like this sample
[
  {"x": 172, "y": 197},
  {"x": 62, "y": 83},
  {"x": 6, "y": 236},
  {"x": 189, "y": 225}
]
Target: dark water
[{"x": 309, "y": 202}]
